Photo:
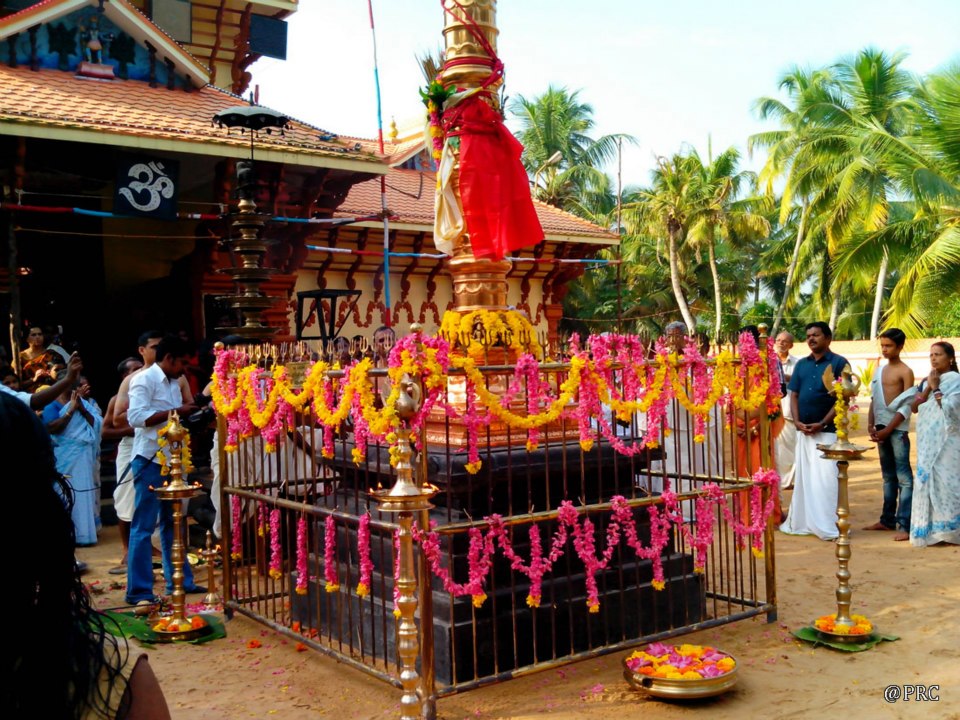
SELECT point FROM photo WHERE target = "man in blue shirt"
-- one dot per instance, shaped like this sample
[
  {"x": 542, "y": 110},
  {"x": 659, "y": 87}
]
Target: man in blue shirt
[{"x": 814, "y": 503}]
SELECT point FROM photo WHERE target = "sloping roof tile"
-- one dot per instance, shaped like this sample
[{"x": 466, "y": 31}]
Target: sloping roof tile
[{"x": 119, "y": 109}]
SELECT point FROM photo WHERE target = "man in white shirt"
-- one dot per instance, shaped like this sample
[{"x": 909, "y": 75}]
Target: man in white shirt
[
  {"x": 124, "y": 496},
  {"x": 154, "y": 392},
  {"x": 785, "y": 446}
]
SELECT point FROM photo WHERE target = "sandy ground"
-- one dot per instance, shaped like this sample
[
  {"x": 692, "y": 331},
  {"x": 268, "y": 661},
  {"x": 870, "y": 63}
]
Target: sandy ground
[{"x": 906, "y": 591}]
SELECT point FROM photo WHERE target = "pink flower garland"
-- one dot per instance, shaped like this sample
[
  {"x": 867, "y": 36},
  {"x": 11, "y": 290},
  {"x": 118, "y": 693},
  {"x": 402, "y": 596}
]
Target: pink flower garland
[
  {"x": 302, "y": 572},
  {"x": 363, "y": 551},
  {"x": 236, "y": 532},
  {"x": 621, "y": 525},
  {"x": 479, "y": 561},
  {"x": 659, "y": 536},
  {"x": 538, "y": 565},
  {"x": 330, "y": 555},
  {"x": 276, "y": 551},
  {"x": 264, "y": 518}
]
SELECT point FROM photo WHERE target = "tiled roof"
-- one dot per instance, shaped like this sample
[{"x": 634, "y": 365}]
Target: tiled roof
[
  {"x": 52, "y": 103},
  {"x": 410, "y": 199}
]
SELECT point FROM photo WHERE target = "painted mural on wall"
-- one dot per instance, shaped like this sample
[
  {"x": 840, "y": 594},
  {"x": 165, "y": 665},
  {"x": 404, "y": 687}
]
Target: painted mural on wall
[{"x": 87, "y": 36}]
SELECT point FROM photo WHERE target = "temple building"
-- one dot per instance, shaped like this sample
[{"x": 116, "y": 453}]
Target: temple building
[{"x": 117, "y": 187}]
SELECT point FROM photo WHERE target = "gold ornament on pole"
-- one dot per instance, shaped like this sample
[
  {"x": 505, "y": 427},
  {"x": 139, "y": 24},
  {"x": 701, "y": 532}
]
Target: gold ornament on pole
[
  {"x": 405, "y": 498},
  {"x": 177, "y": 626},
  {"x": 478, "y": 283},
  {"x": 847, "y": 386}
]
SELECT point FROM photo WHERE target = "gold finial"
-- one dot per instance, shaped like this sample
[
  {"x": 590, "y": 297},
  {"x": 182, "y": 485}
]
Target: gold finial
[{"x": 394, "y": 133}]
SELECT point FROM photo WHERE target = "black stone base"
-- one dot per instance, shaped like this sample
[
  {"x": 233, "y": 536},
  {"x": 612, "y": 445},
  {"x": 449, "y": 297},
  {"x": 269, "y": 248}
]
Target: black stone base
[{"x": 504, "y": 633}]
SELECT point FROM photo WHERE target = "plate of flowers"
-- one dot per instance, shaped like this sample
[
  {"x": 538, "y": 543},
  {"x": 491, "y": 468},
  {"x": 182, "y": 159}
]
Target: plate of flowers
[
  {"x": 680, "y": 672},
  {"x": 861, "y": 631}
]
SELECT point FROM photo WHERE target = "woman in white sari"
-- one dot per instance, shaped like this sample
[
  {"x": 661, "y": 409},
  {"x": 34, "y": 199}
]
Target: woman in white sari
[{"x": 936, "y": 492}]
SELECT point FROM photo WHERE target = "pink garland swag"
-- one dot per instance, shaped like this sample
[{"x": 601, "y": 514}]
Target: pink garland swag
[{"x": 621, "y": 525}]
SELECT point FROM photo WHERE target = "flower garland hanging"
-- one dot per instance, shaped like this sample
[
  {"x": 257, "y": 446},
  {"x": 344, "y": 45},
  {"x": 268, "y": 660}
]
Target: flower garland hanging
[
  {"x": 186, "y": 457},
  {"x": 839, "y": 410},
  {"x": 604, "y": 380},
  {"x": 302, "y": 570},
  {"x": 363, "y": 554},
  {"x": 236, "y": 532},
  {"x": 330, "y": 555},
  {"x": 620, "y": 526},
  {"x": 276, "y": 551}
]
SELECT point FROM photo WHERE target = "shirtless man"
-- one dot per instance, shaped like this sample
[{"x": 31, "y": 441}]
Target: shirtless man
[
  {"x": 123, "y": 494},
  {"x": 115, "y": 430},
  {"x": 888, "y": 428}
]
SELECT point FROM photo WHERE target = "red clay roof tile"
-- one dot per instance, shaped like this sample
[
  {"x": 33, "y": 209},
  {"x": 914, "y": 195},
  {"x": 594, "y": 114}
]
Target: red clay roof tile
[{"x": 52, "y": 98}]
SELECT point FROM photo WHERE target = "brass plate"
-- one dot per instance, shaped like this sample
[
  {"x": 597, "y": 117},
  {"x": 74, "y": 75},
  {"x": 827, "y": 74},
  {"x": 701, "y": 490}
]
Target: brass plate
[
  {"x": 845, "y": 639},
  {"x": 681, "y": 689}
]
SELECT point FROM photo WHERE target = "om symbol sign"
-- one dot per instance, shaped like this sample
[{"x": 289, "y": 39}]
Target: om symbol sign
[{"x": 149, "y": 182}]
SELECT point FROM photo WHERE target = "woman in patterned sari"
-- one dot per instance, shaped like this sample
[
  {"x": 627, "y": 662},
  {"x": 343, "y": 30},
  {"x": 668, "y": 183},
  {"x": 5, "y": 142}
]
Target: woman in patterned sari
[{"x": 936, "y": 492}]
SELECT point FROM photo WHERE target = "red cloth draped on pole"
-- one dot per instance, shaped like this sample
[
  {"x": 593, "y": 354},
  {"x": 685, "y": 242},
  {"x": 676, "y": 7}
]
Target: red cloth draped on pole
[{"x": 494, "y": 188}]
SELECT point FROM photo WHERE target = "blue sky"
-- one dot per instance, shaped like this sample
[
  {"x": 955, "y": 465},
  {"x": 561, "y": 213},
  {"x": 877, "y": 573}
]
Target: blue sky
[{"x": 666, "y": 72}]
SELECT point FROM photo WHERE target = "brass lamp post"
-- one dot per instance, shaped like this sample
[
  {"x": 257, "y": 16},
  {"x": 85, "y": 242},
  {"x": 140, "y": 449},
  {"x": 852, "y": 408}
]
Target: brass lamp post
[
  {"x": 248, "y": 244},
  {"x": 405, "y": 498},
  {"x": 174, "y": 492},
  {"x": 843, "y": 451}
]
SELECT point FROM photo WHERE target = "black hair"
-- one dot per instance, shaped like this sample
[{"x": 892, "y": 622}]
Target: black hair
[
  {"x": 57, "y": 651},
  {"x": 148, "y": 336},
  {"x": 898, "y": 336},
  {"x": 951, "y": 353},
  {"x": 122, "y": 367},
  {"x": 172, "y": 345},
  {"x": 822, "y": 326},
  {"x": 7, "y": 372}
]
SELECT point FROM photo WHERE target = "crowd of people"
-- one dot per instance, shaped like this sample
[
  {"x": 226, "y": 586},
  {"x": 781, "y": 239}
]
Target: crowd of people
[{"x": 924, "y": 510}]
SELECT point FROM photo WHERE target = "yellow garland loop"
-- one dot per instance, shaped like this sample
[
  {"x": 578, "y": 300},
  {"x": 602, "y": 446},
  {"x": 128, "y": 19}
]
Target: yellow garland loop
[
  {"x": 426, "y": 367},
  {"x": 527, "y": 422}
]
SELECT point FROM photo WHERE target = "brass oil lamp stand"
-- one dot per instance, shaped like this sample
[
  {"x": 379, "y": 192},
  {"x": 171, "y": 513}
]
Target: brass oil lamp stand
[
  {"x": 843, "y": 451},
  {"x": 405, "y": 498},
  {"x": 177, "y": 625},
  {"x": 209, "y": 554}
]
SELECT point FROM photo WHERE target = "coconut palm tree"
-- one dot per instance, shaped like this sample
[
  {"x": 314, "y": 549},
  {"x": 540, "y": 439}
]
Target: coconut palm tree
[
  {"x": 923, "y": 232},
  {"x": 558, "y": 122},
  {"x": 724, "y": 214},
  {"x": 793, "y": 154},
  {"x": 666, "y": 211}
]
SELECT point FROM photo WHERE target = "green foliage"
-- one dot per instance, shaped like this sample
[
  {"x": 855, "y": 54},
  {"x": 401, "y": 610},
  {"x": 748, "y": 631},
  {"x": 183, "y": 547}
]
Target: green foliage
[
  {"x": 759, "y": 312},
  {"x": 865, "y": 374},
  {"x": 945, "y": 320}
]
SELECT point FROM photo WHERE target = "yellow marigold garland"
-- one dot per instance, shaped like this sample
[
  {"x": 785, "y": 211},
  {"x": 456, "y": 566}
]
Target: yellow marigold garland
[{"x": 186, "y": 457}]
